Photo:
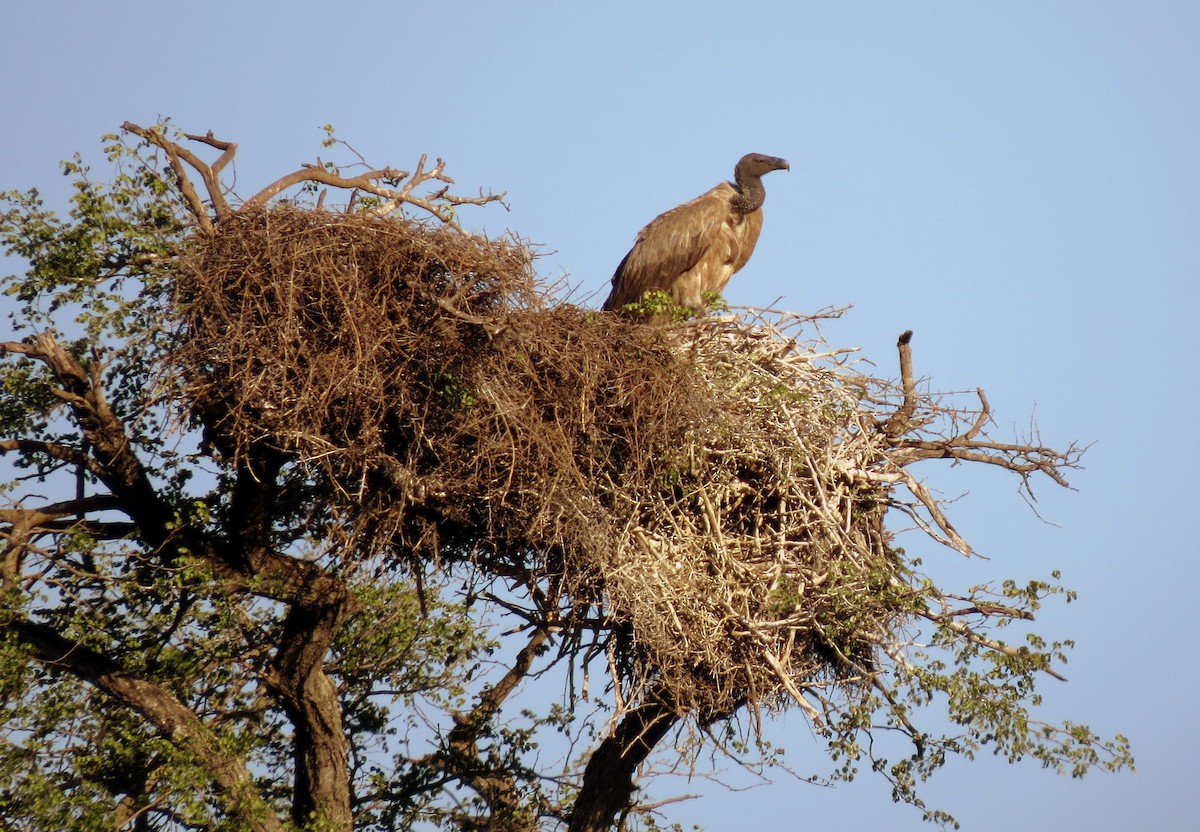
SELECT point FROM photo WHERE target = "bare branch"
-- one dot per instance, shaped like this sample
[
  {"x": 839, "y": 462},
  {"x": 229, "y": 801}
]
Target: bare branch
[
  {"x": 176, "y": 155},
  {"x": 901, "y": 421},
  {"x": 421, "y": 176},
  {"x": 229, "y": 148},
  {"x": 368, "y": 182},
  {"x": 919, "y": 491},
  {"x": 985, "y": 416},
  {"x": 380, "y": 183},
  {"x": 1020, "y": 459}
]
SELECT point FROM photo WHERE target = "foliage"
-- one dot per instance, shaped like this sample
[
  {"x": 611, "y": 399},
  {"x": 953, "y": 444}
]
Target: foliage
[{"x": 315, "y": 473}]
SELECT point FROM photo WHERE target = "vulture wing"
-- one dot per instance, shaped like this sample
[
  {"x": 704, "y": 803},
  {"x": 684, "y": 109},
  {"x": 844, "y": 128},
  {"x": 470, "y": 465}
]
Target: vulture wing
[{"x": 687, "y": 251}]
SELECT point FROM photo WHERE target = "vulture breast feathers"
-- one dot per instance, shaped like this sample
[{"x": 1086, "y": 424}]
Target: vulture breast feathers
[{"x": 693, "y": 250}]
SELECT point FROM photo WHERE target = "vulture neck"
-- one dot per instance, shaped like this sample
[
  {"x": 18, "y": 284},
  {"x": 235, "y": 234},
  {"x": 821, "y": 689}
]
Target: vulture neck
[{"x": 751, "y": 192}]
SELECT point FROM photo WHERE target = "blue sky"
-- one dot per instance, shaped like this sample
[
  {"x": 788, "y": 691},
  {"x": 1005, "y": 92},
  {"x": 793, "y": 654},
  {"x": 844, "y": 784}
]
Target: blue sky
[{"x": 1017, "y": 182}]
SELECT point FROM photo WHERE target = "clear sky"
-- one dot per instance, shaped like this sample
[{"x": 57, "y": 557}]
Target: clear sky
[{"x": 1018, "y": 182}]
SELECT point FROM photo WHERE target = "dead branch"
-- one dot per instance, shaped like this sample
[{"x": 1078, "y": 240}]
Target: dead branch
[
  {"x": 382, "y": 183},
  {"x": 368, "y": 182},
  {"x": 394, "y": 187},
  {"x": 1020, "y": 459},
  {"x": 176, "y": 156},
  {"x": 973, "y": 445},
  {"x": 228, "y": 150},
  {"x": 421, "y": 176},
  {"x": 901, "y": 421},
  {"x": 954, "y": 539},
  {"x": 984, "y": 416}
]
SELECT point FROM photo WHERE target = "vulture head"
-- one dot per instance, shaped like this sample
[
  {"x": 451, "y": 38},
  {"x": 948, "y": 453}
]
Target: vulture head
[
  {"x": 756, "y": 164},
  {"x": 747, "y": 178}
]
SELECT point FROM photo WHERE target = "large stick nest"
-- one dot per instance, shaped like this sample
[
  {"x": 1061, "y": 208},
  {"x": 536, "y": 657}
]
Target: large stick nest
[{"x": 686, "y": 494}]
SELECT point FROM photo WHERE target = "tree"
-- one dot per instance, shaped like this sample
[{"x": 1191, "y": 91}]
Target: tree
[{"x": 290, "y": 482}]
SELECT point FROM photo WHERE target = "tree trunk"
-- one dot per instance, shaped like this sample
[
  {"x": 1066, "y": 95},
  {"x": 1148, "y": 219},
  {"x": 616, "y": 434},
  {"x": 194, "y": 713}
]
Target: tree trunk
[
  {"x": 608, "y": 780},
  {"x": 310, "y": 698}
]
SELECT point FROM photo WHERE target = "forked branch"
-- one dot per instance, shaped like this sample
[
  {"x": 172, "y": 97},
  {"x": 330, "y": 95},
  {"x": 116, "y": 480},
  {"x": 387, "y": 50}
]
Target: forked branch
[
  {"x": 177, "y": 155},
  {"x": 497, "y": 789},
  {"x": 903, "y": 431},
  {"x": 392, "y": 186}
]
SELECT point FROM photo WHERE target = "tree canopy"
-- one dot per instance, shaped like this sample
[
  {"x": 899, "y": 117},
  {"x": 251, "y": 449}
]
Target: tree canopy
[{"x": 301, "y": 496}]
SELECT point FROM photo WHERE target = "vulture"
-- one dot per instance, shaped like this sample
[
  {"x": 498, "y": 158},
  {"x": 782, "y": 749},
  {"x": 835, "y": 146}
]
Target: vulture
[{"x": 693, "y": 249}]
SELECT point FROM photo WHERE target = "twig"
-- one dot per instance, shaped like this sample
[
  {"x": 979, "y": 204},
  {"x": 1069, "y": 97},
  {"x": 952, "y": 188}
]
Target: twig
[
  {"x": 935, "y": 511},
  {"x": 983, "y": 641}
]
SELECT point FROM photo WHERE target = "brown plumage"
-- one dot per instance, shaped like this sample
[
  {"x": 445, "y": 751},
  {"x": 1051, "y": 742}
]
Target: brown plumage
[{"x": 694, "y": 249}]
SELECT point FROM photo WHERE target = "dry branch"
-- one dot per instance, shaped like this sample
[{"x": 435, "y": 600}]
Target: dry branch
[
  {"x": 394, "y": 188},
  {"x": 901, "y": 422},
  {"x": 177, "y": 156}
]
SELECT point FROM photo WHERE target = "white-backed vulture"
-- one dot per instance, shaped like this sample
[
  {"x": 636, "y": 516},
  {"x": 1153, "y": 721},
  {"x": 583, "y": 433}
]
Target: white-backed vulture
[{"x": 693, "y": 250}]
